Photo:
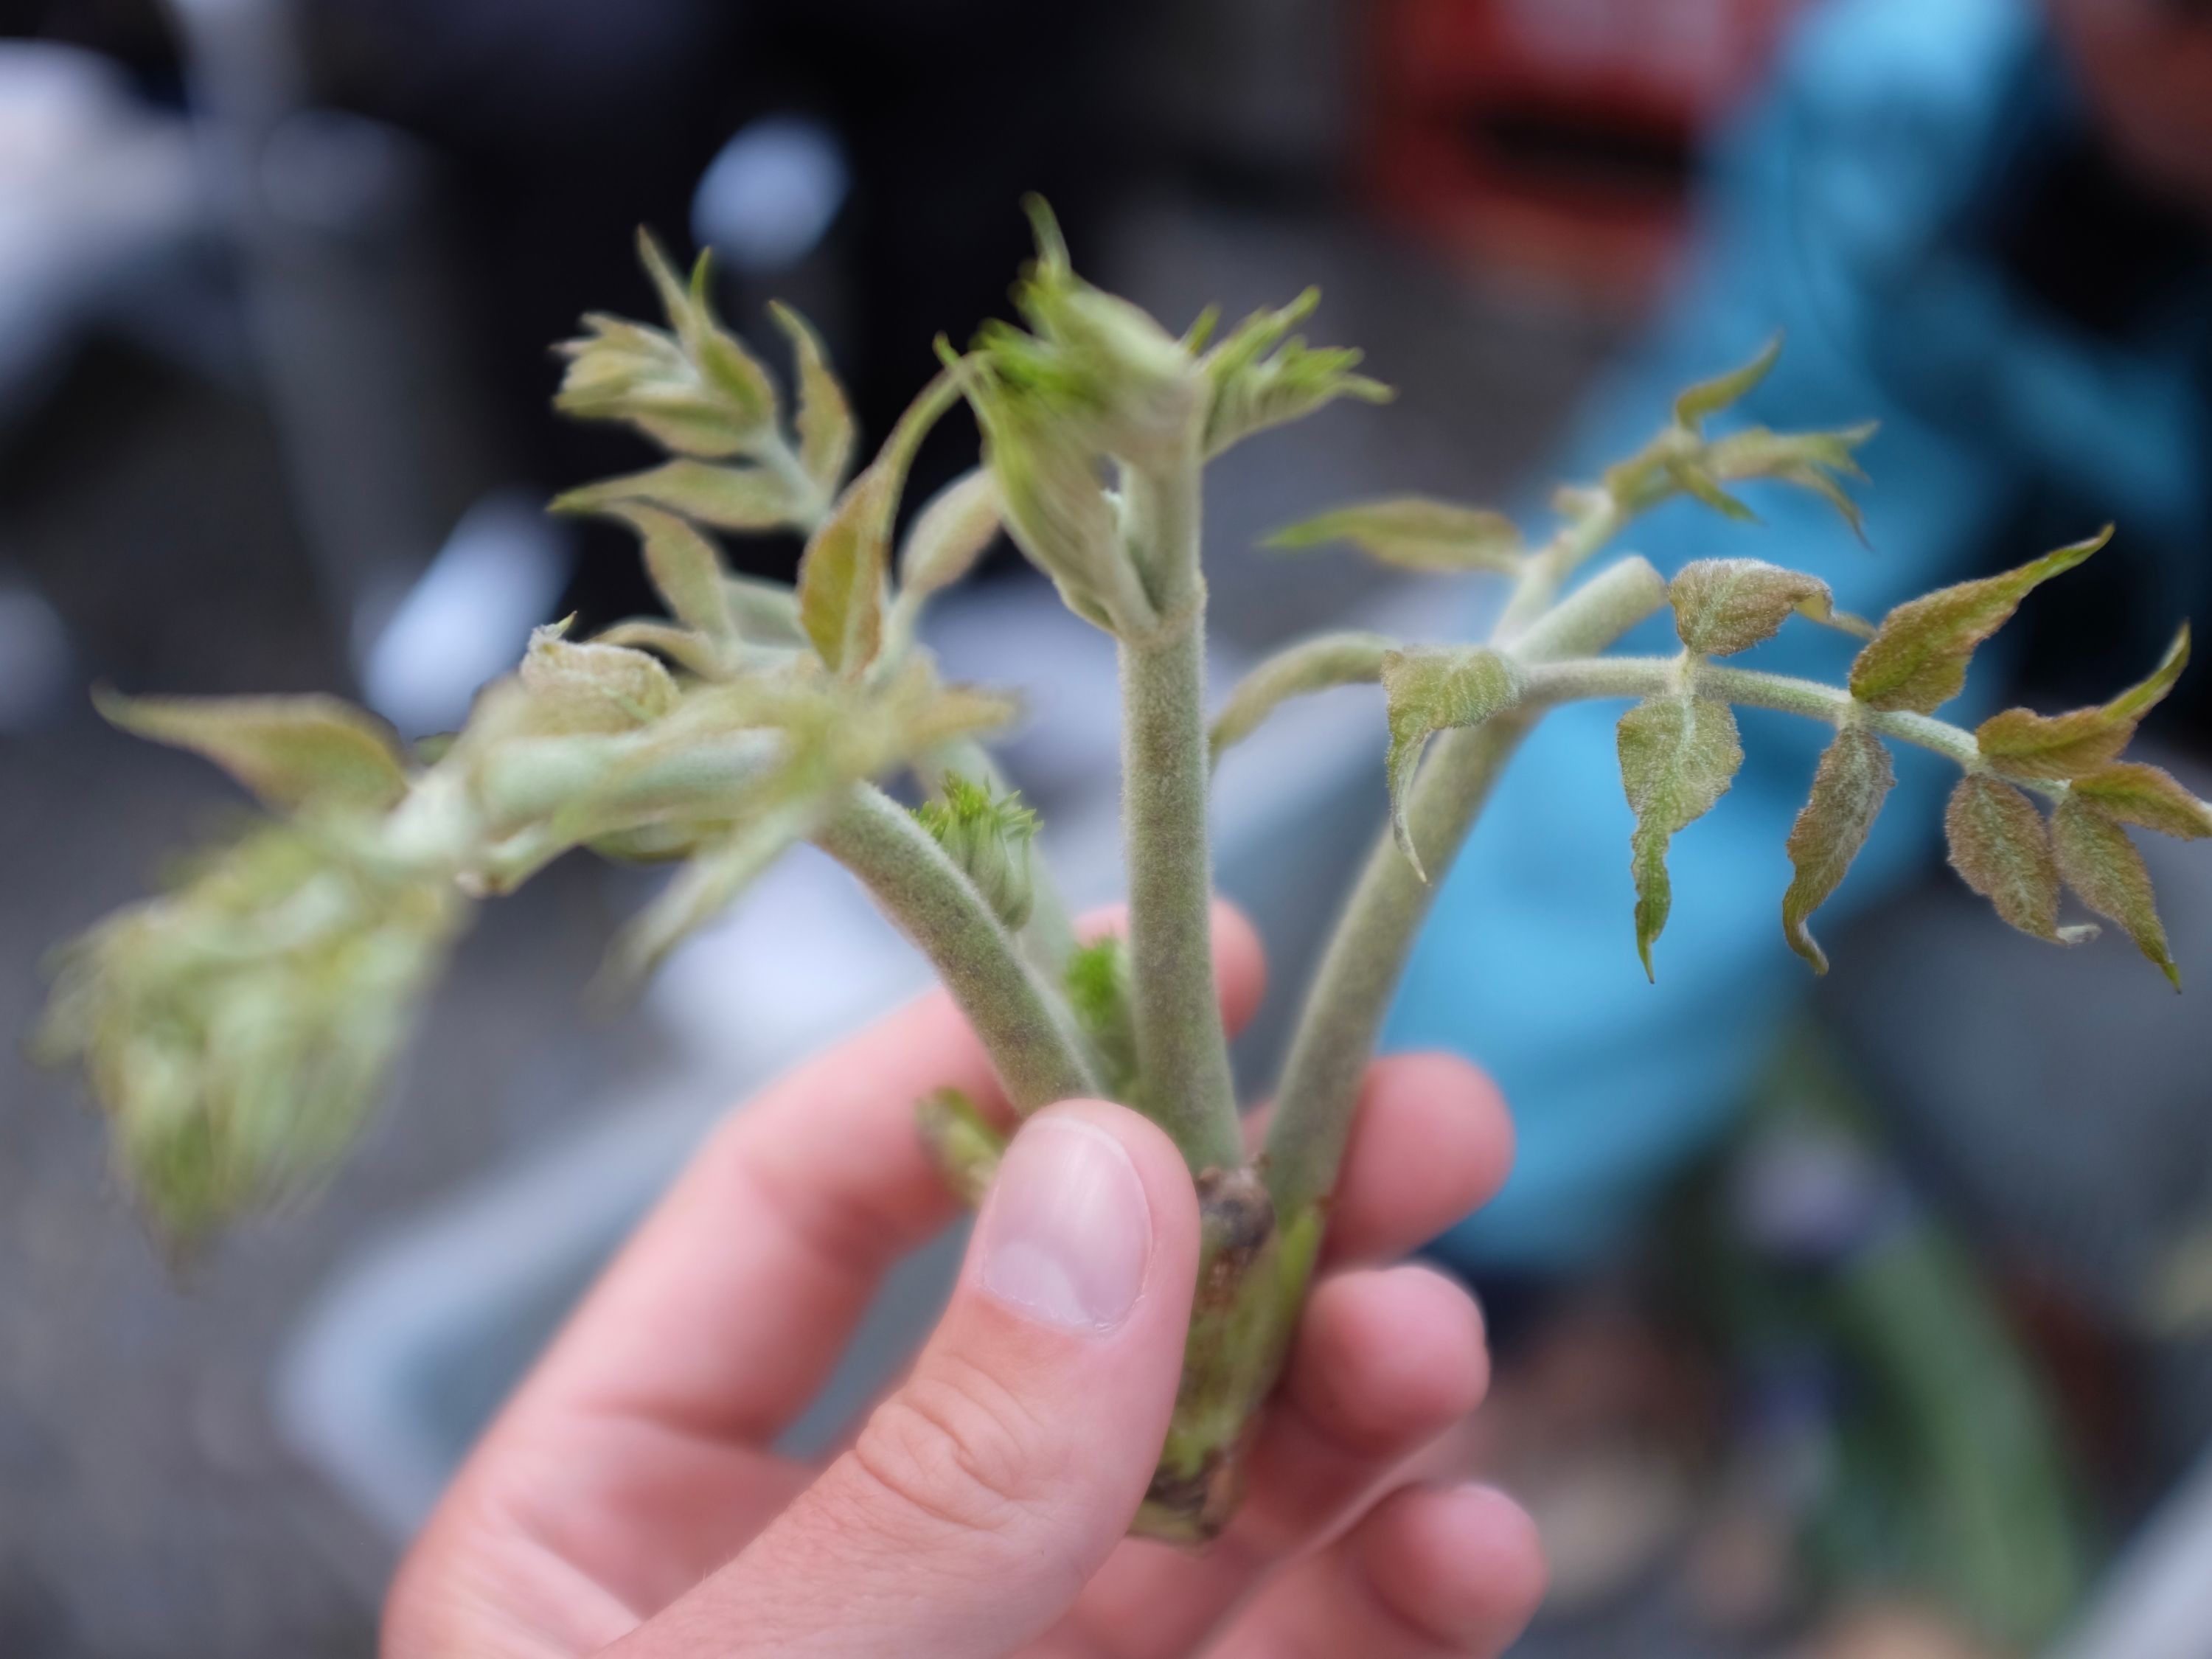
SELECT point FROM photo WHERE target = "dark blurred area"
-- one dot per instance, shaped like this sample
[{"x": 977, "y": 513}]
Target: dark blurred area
[{"x": 1904, "y": 1346}]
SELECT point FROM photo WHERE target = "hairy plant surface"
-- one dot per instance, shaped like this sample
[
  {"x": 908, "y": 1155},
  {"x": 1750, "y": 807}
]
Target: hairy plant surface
[{"x": 237, "y": 1029}]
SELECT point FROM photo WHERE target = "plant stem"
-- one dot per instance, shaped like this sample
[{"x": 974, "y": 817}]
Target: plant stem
[
  {"x": 1027, "y": 1030},
  {"x": 1594, "y": 519},
  {"x": 1366, "y": 956},
  {"x": 1577, "y": 680},
  {"x": 1182, "y": 1054},
  {"x": 1351, "y": 990}
]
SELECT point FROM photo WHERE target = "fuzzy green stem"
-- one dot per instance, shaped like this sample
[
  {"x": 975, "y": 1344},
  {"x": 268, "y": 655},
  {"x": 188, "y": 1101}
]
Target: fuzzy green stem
[
  {"x": 1366, "y": 956},
  {"x": 1027, "y": 1030},
  {"x": 1351, "y": 991},
  {"x": 1182, "y": 1054},
  {"x": 1594, "y": 519},
  {"x": 1575, "y": 681}
]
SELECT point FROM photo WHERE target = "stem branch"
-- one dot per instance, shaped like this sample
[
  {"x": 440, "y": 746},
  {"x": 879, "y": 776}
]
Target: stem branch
[{"x": 1023, "y": 1026}]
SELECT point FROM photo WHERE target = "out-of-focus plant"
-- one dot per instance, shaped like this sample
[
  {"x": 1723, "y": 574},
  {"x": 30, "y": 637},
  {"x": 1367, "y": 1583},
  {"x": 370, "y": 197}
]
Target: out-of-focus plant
[{"x": 236, "y": 1029}]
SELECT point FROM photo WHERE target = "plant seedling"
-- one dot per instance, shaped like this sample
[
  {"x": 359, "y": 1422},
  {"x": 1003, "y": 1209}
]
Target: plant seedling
[{"x": 237, "y": 1029}]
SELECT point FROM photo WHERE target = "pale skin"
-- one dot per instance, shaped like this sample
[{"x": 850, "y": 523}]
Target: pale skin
[{"x": 627, "y": 1501}]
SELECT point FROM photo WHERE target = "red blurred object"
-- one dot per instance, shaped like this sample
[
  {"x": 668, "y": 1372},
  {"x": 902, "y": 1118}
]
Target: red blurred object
[{"x": 1550, "y": 143}]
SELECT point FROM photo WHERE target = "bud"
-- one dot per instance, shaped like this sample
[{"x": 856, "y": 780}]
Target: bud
[
  {"x": 989, "y": 837},
  {"x": 695, "y": 390}
]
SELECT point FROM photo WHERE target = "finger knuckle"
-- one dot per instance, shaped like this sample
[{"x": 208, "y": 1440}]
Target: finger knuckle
[{"x": 957, "y": 1447}]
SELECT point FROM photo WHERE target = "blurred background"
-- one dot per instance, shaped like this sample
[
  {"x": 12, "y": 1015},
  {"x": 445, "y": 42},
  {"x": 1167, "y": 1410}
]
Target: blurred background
[{"x": 1873, "y": 1322}]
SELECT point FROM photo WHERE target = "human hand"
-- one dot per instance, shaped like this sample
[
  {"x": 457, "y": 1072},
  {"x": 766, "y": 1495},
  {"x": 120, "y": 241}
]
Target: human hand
[{"x": 628, "y": 1501}]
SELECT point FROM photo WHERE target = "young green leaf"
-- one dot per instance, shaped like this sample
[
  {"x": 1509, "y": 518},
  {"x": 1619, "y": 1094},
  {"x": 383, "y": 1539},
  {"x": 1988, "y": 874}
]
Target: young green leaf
[
  {"x": 949, "y": 533},
  {"x": 825, "y": 417},
  {"x": 2106, "y": 872},
  {"x": 2146, "y": 796},
  {"x": 722, "y": 497},
  {"x": 1999, "y": 843},
  {"x": 1428, "y": 691},
  {"x": 1256, "y": 378},
  {"x": 291, "y": 752},
  {"x": 841, "y": 578},
  {"x": 1710, "y": 398},
  {"x": 1853, "y": 779},
  {"x": 1097, "y": 979},
  {"x": 624, "y": 371},
  {"x": 1918, "y": 656},
  {"x": 1696, "y": 480},
  {"x": 1414, "y": 533},
  {"x": 686, "y": 570},
  {"x": 1678, "y": 757},
  {"x": 2022, "y": 744},
  {"x": 1722, "y": 606}
]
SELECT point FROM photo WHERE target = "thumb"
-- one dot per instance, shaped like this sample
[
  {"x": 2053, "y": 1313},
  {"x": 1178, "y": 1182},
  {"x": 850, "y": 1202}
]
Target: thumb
[{"x": 981, "y": 1496}]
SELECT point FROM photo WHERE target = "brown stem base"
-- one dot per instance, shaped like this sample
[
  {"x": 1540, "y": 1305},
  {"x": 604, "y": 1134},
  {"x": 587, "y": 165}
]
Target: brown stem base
[{"x": 1253, "y": 1277}]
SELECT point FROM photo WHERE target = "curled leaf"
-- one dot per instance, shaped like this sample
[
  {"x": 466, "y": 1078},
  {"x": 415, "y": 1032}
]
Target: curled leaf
[
  {"x": 1710, "y": 397},
  {"x": 694, "y": 652},
  {"x": 584, "y": 687},
  {"x": 291, "y": 752},
  {"x": 1999, "y": 843},
  {"x": 1429, "y": 691},
  {"x": 2022, "y": 744},
  {"x": 1678, "y": 757},
  {"x": 2106, "y": 874},
  {"x": 2148, "y": 797},
  {"x": 1313, "y": 664},
  {"x": 723, "y": 497},
  {"x": 840, "y": 577},
  {"x": 1918, "y": 656},
  {"x": 1414, "y": 533},
  {"x": 824, "y": 419},
  {"x": 949, "y": 533},
  {"x": 1722, "y": 606},
  {"x": 1853, "y": 779}
]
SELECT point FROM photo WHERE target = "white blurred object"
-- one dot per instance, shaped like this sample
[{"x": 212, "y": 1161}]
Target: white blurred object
[
  {"x": 467, "y": 617},
  {"x": 770, "y": 195},
  {"x": 93, "y": 184},
  {"x": 35, "y": 658},
  {"x": 2156, "y": 1601},
  {"x": 800, "y": 961}
]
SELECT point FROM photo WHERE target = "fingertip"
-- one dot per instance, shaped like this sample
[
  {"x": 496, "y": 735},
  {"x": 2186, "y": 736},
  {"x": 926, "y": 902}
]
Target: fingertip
[
  {"x": 1432, "y": 1142},
  {"x": 1240, "y": 965},
  {"x": 1387, "y": 1357},
  {"x": 1463, "y": 1563}
]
